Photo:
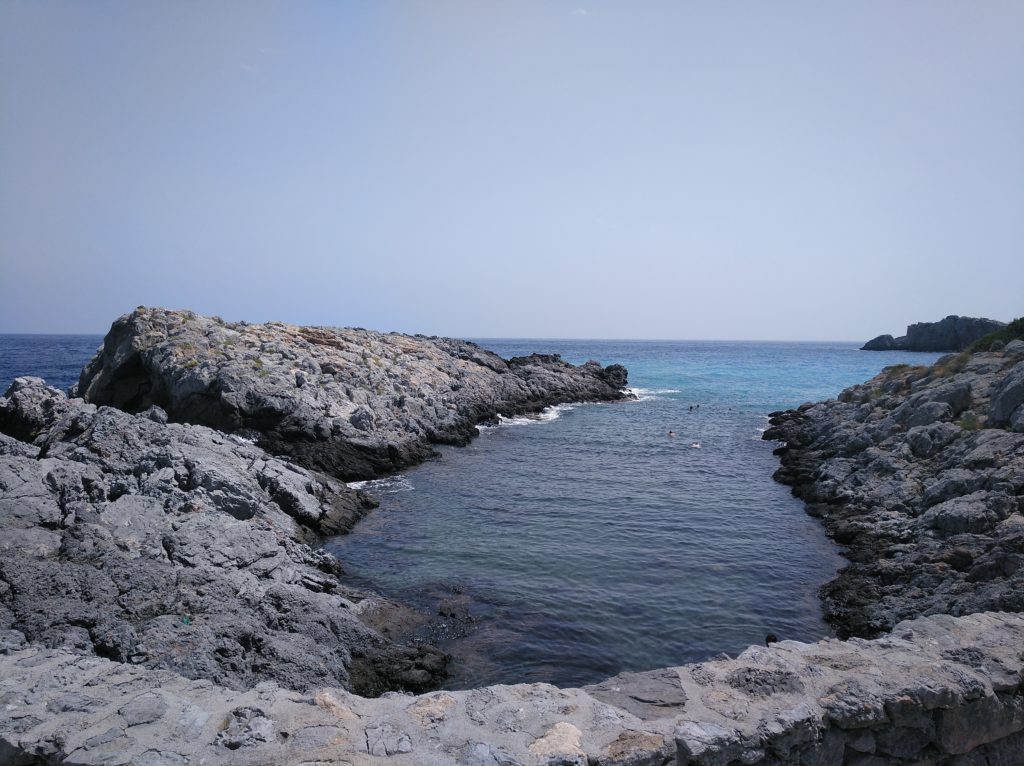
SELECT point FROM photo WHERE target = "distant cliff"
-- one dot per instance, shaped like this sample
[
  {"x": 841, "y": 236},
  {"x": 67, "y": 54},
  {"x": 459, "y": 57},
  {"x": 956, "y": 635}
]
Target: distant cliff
[{"x": 954, "y": 333}]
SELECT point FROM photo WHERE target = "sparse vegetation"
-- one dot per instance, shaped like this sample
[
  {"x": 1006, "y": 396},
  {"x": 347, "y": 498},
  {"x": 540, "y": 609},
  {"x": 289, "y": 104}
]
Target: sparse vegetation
[
  {"x": 951, "y": 365},
  {"x": 969, "y": 421}
]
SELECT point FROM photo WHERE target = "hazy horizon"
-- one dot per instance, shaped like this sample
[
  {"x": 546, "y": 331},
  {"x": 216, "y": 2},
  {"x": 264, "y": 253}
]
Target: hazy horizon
[
  {"x": 470, "y": 336},
  {"x": 540, "y": 170}
]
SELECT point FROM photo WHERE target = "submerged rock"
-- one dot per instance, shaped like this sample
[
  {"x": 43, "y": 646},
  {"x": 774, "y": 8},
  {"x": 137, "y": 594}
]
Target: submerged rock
[
  {"x": 920, "y": 472},
  {"x": 353, "y": 403}
]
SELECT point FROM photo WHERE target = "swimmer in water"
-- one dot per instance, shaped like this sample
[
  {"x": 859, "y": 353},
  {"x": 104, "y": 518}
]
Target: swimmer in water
[
  {"x": 672, "y": 434},
  {"x": 695, "y": 445}
]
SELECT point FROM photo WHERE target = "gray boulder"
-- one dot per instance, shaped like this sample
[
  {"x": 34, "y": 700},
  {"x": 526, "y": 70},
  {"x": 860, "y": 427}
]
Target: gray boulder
[{"x": 1007, "y": 397}]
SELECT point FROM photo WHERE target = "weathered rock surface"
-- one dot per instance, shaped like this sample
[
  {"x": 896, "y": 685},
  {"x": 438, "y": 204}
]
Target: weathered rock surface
[
  {"x": 351, "y": 403},
  {"x": 940, "y": 690},
  {"x": 954, "y": 333},
  {"x": 920, "y": 473},
  {"x": 179, "y": 547}
]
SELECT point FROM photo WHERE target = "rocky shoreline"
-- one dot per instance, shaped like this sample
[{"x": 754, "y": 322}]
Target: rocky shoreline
[
  {"x": 162, "y": 604},
  {"x": 919, "y": 473}
]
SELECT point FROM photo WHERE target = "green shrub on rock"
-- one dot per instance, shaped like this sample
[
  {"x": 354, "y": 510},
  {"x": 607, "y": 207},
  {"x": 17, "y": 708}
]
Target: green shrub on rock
[{"x": 1013, "y": 331}]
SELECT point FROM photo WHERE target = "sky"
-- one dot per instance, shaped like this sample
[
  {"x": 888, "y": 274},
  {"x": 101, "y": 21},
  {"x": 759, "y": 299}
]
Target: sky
[{"x": 781, "y": 170}]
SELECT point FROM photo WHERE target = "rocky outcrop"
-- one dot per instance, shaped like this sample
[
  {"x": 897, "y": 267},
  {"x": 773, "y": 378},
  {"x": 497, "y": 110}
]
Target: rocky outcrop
[
  {"x": 920, "y": 474},
  {"x": 940, "y": 690},
  {"x": 177, "y": 547},
  {"x": 351, "y": 403},
  {"x": 954, "y": 333}
]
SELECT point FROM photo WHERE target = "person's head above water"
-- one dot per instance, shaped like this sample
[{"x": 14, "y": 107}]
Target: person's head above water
[{"x": 770, "y": 639}]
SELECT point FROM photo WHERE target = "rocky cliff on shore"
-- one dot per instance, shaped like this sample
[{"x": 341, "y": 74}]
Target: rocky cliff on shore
[
  {"x": 920, "y": 474},
  {"x": 352, "y": 403},
  {"x": 954, "y": 333}
]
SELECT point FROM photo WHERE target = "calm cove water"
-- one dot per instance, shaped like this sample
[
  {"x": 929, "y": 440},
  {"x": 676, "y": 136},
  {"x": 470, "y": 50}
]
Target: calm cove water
[{"x": 588, "y": 541}]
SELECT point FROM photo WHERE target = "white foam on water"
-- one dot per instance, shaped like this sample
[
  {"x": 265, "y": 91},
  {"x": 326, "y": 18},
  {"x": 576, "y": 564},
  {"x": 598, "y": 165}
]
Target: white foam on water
[
  {"x": 387, "y": 485},
  {"x": 646, "y": 394},
  {"x": 544, "y": 416}
]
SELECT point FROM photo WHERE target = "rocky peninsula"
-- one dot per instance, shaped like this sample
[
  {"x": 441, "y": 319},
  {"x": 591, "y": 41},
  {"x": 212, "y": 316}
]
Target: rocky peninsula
[
  {"x": 352, "y": 403},
  {"x": 954, "y": 333},
  {"x": 163, "y": 601}
]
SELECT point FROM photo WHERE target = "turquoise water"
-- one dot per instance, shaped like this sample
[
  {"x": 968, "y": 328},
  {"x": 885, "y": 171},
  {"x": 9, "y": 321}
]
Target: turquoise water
[{"x": 590, "y": 542}]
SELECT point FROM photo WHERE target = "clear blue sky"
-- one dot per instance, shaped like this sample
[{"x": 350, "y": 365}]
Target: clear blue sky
[{"x": 757, "y": 170}]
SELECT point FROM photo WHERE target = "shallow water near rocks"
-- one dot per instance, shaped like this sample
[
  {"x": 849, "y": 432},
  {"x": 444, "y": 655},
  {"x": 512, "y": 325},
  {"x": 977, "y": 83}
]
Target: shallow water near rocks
[{"x": 587, "y": 542}]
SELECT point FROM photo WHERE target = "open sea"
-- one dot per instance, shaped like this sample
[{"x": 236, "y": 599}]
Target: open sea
[{"x": 589, "y": 541}]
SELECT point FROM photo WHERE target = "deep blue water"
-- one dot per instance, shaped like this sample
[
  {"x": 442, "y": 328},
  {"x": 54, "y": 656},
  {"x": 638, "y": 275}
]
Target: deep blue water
[
  {"x": 591, "y": 542},
  {"x": 56, "y": 358}
]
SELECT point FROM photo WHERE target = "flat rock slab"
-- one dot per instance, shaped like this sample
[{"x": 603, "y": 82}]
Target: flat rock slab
[{"x": 938, "y": 687}]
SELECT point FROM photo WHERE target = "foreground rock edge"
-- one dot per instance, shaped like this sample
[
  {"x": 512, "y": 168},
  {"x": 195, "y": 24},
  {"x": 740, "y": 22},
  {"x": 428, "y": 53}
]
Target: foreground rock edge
[
  {"x": 939, "y": 687},
  {"x": 178, "y": 547}
]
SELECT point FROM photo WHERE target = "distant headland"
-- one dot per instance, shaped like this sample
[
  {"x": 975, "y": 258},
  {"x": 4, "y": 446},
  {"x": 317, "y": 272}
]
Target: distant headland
[{"x": 954, "y": 333}]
